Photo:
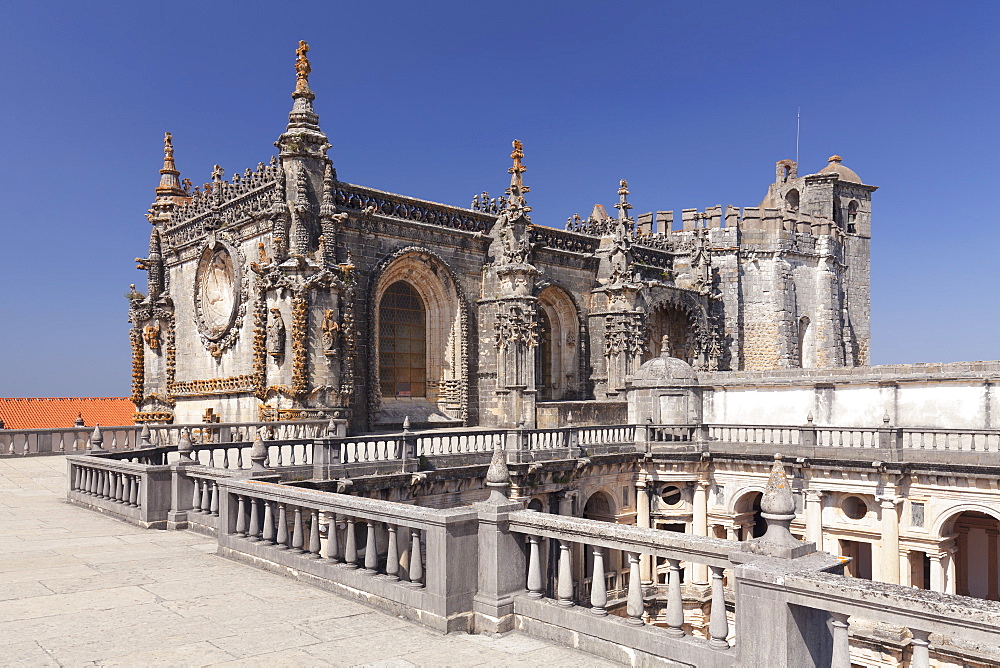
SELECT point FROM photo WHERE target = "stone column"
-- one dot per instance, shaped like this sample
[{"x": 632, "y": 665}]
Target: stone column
[
  {"x": 700, "y": 525},
  {"x": 889, "y": 545},
  {"x": 905, "y": 568},
  {"x": 732, "y": 532},
  {"x": 961, "y": 568},
  {"x": 814, "y": 517},
  {"x": 950, "y": 577},
  {"x": 993, "y": 542},
  {"x": 642, "y": 520},
  {"x": 937, "y": 571}
]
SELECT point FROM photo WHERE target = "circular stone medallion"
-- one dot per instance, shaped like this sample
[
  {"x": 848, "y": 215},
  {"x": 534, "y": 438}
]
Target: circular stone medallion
[{"x": 216, "y": 292}]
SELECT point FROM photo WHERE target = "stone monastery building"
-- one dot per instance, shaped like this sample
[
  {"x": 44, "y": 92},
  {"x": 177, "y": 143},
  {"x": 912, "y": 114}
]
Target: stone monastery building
[{"x": 286, "y": 292}]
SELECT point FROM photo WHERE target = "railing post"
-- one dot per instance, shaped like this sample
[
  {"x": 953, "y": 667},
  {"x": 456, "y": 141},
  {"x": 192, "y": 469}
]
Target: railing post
[
  {"x": 564, "y": 590},
  {"x": 598, "y": 587},
  {"x": 634, "y": 604},
  {"x": 675, "y": 603},
  {"x": 807, "y": 433},
  {"x": 408, "y": 446},
  {"x": 534, "y": 569},
  {"x": 718, "y": 625}
]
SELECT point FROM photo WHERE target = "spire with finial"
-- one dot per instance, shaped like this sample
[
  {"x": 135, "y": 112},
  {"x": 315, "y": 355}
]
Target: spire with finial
[
  {"x": 623, "y": 206},
  {"x": 169, "y": 193},
  {"x": 516, "y": 203},
  {"x": 303, "y": 137}
]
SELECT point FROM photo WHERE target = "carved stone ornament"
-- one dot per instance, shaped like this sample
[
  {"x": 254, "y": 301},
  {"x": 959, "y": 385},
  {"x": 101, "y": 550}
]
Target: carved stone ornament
[
  {"x": 220, "y": 289},
  {"x": 331, "y": 332},
  {"x": 151, "y": 333},
  {"x": 276, "y": 336}
]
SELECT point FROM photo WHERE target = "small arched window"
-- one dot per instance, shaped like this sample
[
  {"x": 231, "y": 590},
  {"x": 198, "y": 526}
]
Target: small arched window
[
  {"x": 852, "y": 216},
  {"x": 402, "y": 337},
  {"x": 803, "y": 332},
  {"x": 792, "y": 200},
  {"x": 543, "y": 358}
]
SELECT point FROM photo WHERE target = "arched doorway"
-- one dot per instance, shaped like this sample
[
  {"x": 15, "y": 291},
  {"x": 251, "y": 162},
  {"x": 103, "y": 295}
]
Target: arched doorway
[
  {"x": 977, "y": 563},
  {"x": 748, "y": 516}
]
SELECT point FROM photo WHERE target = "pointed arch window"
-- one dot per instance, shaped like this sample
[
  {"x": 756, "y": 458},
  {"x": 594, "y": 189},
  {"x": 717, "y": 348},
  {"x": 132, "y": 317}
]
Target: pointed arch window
[
  {"x": 543, "y": 358},
  {"x": 402, "y": 342}
]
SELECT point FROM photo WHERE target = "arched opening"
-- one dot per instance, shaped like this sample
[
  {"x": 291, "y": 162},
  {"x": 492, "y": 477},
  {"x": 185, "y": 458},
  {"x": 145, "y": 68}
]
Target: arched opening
[
  {"x": 792, "y": 200},
  {"x": 536, "y": 505},
  {"x": 852, "y": 216},
  {"x": 804, "y": 350},
  {"x": 402, "y": 338},
  {"x": 557, "y": 357},
  {"x": 601, "y": 507},
  {"x": 679, "y": 326},
  {"x": 543, "y": 358},
  {"x": 444, "y": 394},
  {"x": 977, "y": 571},
  {"x": 748, "y": 516}
]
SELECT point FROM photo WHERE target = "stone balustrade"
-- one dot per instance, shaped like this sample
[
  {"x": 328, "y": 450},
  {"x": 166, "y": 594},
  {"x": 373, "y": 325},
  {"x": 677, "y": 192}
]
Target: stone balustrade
[
  {"x": 417, "y": 562},
  {"x": 23, "y": 442},
  {"x": 136, "y": 492}
]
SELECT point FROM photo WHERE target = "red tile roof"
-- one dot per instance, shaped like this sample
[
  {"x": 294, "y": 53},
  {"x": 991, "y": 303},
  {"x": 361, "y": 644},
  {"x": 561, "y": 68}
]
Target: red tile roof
[{"x": 57, "y": 412}]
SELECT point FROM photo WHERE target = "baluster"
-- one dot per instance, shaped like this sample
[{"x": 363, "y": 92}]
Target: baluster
[
  {"x": 297, "y": 537},
  {"x": 87, "y": 481},
  {"x": 920, "y": 649},
  {"x": 128, "y": 484},
  {"x": 564, "y": 590},
  {"x": 392, "y": 554},
  {"x": 534, "y": 569},
  {"x": 718, "y": 625},
  {"x": 268, "y": 523},
  {"x": 253, "y": 531},
  {"x": 93, "y": 483},
  {"x": 675, "y": 604},
  {"x": 841, "y": 642},
  {"x": 305, "y": 453},
  {"x": 239, "y": 458},
  {"x": 598, "y": 586},
  {"x": 279, "y": 455},
  {"x": 314, "y": 545},
  {"x": 116, "y": 487},
  {"x": 211, "y": 456},
  {"x": 416, "y": 562},
  {"x": 214, "y": 506},
  {"x": 241, "y": 516},
  {"x": 225, "y": 458},
  {"x": 634, "y": 605},
  {"x": 206, "y": 496},
  {"x": 107, "y": 485},
  {"x": 351, "y": 545},
  {"x": 291, "y": 455},
  {"x": 371, "y": 551},
  {"x": 196, "y": 496},
  {"x": 138, "y": 492},
  {"x": 282, "y": 540},
  {"x": 332, "y": 544}
]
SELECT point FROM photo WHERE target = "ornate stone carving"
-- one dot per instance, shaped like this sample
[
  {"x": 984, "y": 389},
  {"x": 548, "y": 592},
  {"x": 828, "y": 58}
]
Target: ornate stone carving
[
  {"x": 151, "y": 334},
  {"x": 331, "y": 332},
  {"x": 138, "y": 365},
  {"x": 300, "y": 355},
  {"x": 516, "y": 325},
  {"x": 199, "y": 388},
  {"x": 276, "y": 336},
  {"x": 220, "y": 288},
  {"x": 625, "y": 333}
]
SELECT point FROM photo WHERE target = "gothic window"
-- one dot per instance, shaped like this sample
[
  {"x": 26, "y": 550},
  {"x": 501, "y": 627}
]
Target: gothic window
[
  {"x": 543, "y": 357},
  {"x": 852, "y": 216},
  {"x": 792, "y": 200},
  {"x": 402, "y": 342}
]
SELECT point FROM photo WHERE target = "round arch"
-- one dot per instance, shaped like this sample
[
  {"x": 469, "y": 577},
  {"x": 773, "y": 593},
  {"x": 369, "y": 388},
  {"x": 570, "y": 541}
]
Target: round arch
[
  {"x": 947, "y": 518},
  {"x": 563, "y": 360},
  {"x": 600, "y": 506},
  {"x": 446, "y": 329},
  {"x": 689, "y": 325}
]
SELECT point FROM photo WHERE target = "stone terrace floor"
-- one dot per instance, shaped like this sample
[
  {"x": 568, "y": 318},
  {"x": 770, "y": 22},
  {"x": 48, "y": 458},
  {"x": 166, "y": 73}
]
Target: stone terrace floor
[{"x": 77, "y": 588}]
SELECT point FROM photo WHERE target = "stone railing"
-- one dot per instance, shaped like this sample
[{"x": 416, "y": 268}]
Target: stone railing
[
  {"x": 138, "y": 493},
  {"x": 566, "y": 616},
  {"x": 417, "y": 562},
  {"x": 21, "y": 442}
]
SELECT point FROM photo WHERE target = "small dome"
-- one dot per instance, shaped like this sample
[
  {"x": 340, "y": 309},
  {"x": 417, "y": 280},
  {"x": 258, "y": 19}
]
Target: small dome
[
  {"x": 664, "y": 371},
  {"x": 846, "y": 173}
]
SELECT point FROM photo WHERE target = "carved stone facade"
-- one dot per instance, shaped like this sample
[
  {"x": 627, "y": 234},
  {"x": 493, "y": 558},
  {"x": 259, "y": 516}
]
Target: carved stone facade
[{"x": 288, "y": 291}]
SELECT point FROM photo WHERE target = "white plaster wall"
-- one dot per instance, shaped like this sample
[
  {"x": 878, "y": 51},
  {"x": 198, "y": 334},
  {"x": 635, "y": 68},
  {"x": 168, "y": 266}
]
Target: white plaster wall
[{"x": 945, "y": 405}]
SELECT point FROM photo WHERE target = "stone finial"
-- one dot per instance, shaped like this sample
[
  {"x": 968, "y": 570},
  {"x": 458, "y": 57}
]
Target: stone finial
[
  {"x": 302, "y": 68},
  {"x": 170, "y": 183},
  {"x": 834, "y": 158},
  {"x": 96, "y": 439},
  {"x": 217, "y": 173},
  {"x": 406, "y": 424},
  {"x": 885, "y": 419},
  {"x": 184, "y": 445},
  {"x": 78, "y": 422},
  {"x": 809, "y": 418},
  {"x": 498, "y": 477},
  {"x": 778, "y": 507},
  {"x": 331, "y": 428},
  {"x": 623, "y": 206},
  {"x": 515, "y": 193},
  {"x": 258, "y": 453},
  {"x": 145, "y": 438}
]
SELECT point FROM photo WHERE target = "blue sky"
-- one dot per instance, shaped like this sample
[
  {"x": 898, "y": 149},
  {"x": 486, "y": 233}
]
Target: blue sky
[{"x": 691, "y": 102}]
